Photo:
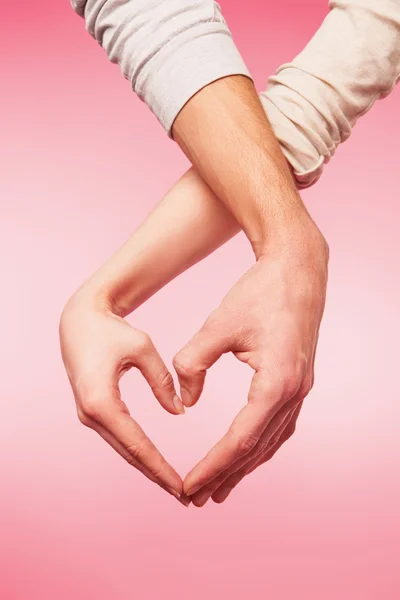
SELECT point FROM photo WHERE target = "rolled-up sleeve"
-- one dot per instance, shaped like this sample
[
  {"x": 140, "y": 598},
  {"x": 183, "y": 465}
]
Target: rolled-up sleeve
[
  {"x": 167, "y": 49},
  {"x": 314, "y": 101}
]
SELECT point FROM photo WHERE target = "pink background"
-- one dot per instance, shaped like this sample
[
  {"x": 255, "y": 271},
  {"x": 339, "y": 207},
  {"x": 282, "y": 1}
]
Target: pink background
[{"x": 81, "y": 163}]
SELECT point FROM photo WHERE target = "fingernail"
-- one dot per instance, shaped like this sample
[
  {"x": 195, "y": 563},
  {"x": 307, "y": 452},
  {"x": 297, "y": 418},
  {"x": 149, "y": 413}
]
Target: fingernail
[
  {"x": 184, "y": 500},
  {"x": 174, "y": 492},
  {"x": 178, "y": 405},
  {"x": 185, "y": 395}
]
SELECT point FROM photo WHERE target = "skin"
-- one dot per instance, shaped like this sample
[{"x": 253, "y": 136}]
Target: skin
[
  {"x": 270, "y": 319},
  {"x": 98, "y": 346}
]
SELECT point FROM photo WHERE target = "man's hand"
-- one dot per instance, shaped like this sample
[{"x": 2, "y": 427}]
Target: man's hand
[
  {"x": 98, "y": 347},
  {"x": 269, "y": 320}
]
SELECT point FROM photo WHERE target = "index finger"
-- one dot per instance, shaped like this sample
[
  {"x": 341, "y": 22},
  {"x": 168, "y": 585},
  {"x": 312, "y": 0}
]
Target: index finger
[
  {"x": 110, "y": 439},
  {"x": 242, "y": 436},
  {"x": 112, "y": 415}
]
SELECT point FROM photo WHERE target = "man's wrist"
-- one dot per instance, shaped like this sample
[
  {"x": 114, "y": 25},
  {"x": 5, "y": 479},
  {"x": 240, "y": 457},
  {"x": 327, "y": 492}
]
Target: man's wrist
[
  {"x": 287, "y": 229},
  {"x": 277, "y": 215},
  {"x": 301, "y": 245},
  {"x": 226, "y": 135}
]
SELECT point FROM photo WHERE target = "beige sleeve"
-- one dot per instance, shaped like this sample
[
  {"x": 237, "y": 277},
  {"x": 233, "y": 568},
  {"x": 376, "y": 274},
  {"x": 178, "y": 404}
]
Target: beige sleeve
[{"x": 314, "y": 101}]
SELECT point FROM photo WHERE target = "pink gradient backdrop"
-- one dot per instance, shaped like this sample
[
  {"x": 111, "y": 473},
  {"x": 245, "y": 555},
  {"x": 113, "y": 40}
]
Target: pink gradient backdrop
[{"x": 82, "y": 162}]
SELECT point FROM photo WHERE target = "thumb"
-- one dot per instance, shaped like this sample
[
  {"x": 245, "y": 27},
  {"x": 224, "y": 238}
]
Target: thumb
[
  {"x": 191, "y": 363},
  {"x": 145, "y": 357}
]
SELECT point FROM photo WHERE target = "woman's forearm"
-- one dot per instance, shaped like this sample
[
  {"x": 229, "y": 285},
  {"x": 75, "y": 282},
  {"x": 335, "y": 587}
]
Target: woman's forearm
[{"x": 185, "y": 227}]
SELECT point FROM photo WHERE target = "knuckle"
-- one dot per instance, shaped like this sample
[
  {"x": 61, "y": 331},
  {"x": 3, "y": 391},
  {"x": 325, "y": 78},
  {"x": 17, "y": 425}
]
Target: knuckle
[
  {"x": 246, "y": 444},
  {"x": 269, "y": 444},
  {"x": 166, "y": 382},
  {"x": 134, "y": 452},
  {"x": 306, "y": 386},
  {"x": 302, "y": 364},
  {"x": 142, "y": 342},
  {"x": 284, "y": 382},
  {"x": 261, "y": 448},
  {"x": 156, "y": 471},
  {"x": 185, "y": 365},
  {"x": 92, "y": 408},
  {"x": 83, "y": 418},
  {"x": 131, "y": 460},
  {"x": 267, "y": 389},
  {"x": 274, "y": 439},
  {"x": 292, "y": 380}
]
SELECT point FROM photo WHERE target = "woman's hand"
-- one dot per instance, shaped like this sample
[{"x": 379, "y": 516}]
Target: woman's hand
[{"x": 98, "y": 347}]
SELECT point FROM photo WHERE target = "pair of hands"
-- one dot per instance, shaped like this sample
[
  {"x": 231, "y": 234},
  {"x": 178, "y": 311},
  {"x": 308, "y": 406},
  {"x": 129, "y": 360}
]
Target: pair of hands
[{"x": 270, "y": 320}]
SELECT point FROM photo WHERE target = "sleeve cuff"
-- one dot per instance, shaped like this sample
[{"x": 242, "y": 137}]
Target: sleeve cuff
[{"x": 199, "y": 62}]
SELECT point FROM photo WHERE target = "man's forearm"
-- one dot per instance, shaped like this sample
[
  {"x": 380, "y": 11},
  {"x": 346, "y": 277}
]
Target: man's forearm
[
  {"x": 226, "y": 135},
  {"x": 181, "y": 60}
]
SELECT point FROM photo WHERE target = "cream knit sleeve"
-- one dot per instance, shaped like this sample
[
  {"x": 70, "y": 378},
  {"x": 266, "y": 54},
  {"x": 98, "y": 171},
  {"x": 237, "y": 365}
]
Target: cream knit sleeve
[{"x": 314, "y": 101}]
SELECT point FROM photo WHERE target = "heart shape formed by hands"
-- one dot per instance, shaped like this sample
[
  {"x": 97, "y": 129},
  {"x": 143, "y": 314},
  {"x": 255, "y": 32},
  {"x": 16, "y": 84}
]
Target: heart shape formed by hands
[{"x": 276, "y": 339}]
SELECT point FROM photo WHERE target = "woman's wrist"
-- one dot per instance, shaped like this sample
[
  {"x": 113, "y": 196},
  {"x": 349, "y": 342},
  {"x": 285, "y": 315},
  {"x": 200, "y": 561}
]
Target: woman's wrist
[{"x": 97, "y": 296}]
